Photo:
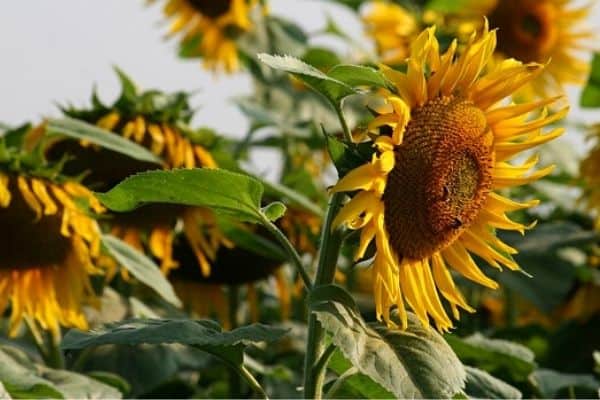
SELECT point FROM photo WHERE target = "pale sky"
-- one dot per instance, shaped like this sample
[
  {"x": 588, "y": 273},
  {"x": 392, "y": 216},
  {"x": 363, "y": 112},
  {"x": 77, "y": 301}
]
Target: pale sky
[{"x": 55, "y": 51}]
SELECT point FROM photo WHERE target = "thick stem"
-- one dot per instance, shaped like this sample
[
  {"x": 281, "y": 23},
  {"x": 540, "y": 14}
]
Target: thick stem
[
  {"x": 331, "y": 241},
  {"x": 290, "y": 250},
  {"x": 47, "y": 345}
]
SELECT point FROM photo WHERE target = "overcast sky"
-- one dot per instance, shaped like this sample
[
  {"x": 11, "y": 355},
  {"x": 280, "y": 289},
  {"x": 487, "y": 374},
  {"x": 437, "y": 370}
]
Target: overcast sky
[{"x": 54, "y": 51}]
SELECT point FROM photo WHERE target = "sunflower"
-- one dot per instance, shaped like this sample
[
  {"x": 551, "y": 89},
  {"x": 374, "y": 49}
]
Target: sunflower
[
  {"x": 49, "y": 247},
  {"x": 157, "y": 122},
  {"x": 429, "y": 196},
  {"x": 233, "y": 268},
  {"x": 209, "y": 28},
  {"x": 392, "y": 28},
  {"x": 542, "y": 31}
]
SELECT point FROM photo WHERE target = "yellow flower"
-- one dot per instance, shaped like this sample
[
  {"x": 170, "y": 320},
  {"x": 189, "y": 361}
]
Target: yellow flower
[
  {"x": 393, "y": 28},
  {"x": 48, "y": 250},
  {"x": 542, "y": 31},
  {"x": 212, "y": 26},
  {"x": 590, "y": 172},
  {"x": 429, "y": 197}
]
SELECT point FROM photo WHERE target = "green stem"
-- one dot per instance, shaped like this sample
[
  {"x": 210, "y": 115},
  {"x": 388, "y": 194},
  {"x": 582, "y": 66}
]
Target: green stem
[
  {"x": 340, "y": 381},
  {"x": 290, "y": 250},
  {"x": 331, "y": 241},
  {"x": 340, "y": 113},
  {"x": 252, "y": 382}
]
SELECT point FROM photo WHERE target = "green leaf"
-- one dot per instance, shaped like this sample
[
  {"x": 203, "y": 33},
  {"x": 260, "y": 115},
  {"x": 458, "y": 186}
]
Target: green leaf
[
  {"x": 77, "y": 129},
  {"x": 416, "y": 363},
  {"x": 22, "y": 378},
  {"x": 549, "y": 383},
  {"x": 590, "y": 96},
  {"x": 141, "y": 267},
  {"x": 481, "y": 385},
  {"x": 494, "y": 355},
  {"x": 358, "y": 75},
  {"x": 333, "y": 89},
  {"x": 77, "y": 386},
  {"x": 291, "y": 197},
  {"x": 274, "y": 210},
  {"x": 358, "y": 383},
  {"x": 204, "y": 334},
  {"x": 111, "y": 379},
  {"x": 230, "y": 193},
  {"x": 22, "y": 382}
]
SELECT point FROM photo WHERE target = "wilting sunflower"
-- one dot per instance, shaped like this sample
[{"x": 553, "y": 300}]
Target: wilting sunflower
[
  {"x": 157, "y": 122},
  {"x": 429, "y": 197},
  {"x": 233, "y": 269},
  {"x": 542, "y": 31},
  {"x": 209, "y": 28},
  {"x": 392, "y": 27},
  {"x": 48, "y": 247}
]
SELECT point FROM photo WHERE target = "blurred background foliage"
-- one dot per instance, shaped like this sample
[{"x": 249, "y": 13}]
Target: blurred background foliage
[{"x": 535, "y": 337}]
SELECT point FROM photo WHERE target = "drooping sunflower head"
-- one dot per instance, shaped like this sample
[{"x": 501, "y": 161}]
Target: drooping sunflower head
[
  {"x": 209, "y": 29},
  {"x": 542, "y": 31},
  {"x": 392, "y": 28},
  {"x": 233, "y": 267},
  {"x": 429, "y": 197},
  {"x": 49, "y": 246},
  {"x": 157, "y": 121}
]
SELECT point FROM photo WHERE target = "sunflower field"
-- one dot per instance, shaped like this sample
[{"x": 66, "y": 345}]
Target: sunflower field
[{"x": 413, "y": 212}]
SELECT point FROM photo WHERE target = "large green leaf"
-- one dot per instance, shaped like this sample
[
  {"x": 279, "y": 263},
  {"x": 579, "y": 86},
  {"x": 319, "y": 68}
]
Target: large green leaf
[
  {"x": 416, "y": 363},
  {"x": 77, "y": 129},
  {"x": 549, "y": 383},
  {"x": 494, "y": 355},
  {"x": 205, "y": 335},
  {"x": 226, "y": 192},
  {"x": 358, "y": 76},
  {"x": 22, "y": 378},
  {"x": 141, "y": 267},
  {"x": 590, "y": 96},
  {"x": 481, "y": 385}
]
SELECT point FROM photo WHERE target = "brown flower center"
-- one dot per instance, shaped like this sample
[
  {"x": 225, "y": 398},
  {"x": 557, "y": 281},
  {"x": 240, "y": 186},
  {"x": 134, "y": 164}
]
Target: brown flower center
[
  {"x": 441, "y": 177},
  {"x": 27, "y": 243},
  {"x": 527, "y": 29},
  {"x": 211, "y": 8}
]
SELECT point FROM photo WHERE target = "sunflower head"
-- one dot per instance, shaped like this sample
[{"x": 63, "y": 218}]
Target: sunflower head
[
  {"x": 209, "y": 29},
  {"x": 49, "y": 246},
  {"x": 542, "y": 31},
  {"x": 155, "y": 120},
  {"x": 429, "y": 196}
]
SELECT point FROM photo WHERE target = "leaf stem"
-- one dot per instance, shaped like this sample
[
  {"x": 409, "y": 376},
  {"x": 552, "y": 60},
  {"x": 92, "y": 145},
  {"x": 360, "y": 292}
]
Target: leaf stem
[
  {"x": 340, "y": 381},
  {"x": 252, "y": 382},
  {"x": 289, "y": 249},
  {"x": 345, "y": 129},
  {"x": 331, "y": 241}
]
